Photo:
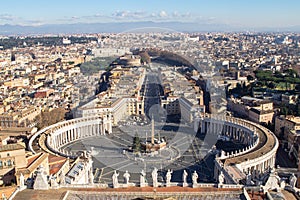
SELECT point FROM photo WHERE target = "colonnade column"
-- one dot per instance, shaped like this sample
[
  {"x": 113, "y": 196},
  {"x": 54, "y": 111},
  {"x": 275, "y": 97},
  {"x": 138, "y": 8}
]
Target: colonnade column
[
  {"x": 72, "y": 134},
  {"x": 60, "y": 140},
  {"x": 99, "y": 129},
  {"x": 79, "y": 133},
  {"x": 69, "y": 135}
]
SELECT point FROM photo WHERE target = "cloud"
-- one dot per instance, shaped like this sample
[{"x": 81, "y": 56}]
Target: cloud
[
  {"x": 120, "y": 14},
  {"x": 186, "y": 15},
  {"x": 117, "y": 16},
  {"x": 16, "y": 20},
  {"x": 33, "y": 22},
  {"x": 163, "y": 14},
  {"x": 8, "y": 17},
  {"x": 129, "y": 14},
  {"x": 153, "y": 15},
  {"x": 98, "y": 15},
  {"x": 135, "y": 16}
]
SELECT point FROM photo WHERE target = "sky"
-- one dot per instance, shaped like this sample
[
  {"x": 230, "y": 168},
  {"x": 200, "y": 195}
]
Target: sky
[{"x": 244, "y": 13}]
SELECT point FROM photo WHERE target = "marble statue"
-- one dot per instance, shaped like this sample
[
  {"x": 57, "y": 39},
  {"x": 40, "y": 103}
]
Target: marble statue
[
  {"x": 282, "y": 184},
  {"x": 126, "y": 176},
  {"x": 142, "y": 178},
  {"x": 53, "y": 183},
  {"x": 115, "y": 179},
  {"x": 91, "y": 176},
  {"x": 154, "y": 177},
  {"x": 194, "y": 178},
  {"x": 22, "y": 180},
  {"x": 248, "y": 178},
  {"x": 293, "y": 180},
  {"x": 221, "y": 178},
  {"x": 62, "y": 179},
  {"x": 169, "y": 176},
  {"x": 41, "y": 180},
  {"x": 184, "y": 178},
  {"x": 273, "y": 181}
]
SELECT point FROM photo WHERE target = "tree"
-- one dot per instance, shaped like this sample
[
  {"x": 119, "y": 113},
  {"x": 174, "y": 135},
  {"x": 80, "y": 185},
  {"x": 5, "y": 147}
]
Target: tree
[
  {"x": 271, "y": 85},
  {"x": 250, "y": 78},
  {"x": 136, "y": 146},
  {"x": 298, "y": 109},
  {"x": 284, "y": 111},
  {"x": 145, "y": 57},
  {"x": 291, "y": 73},
  {"x": 97, "y": 64},
  {"x": 47, "y": 118},
  {"x": 244, "y": 85}
]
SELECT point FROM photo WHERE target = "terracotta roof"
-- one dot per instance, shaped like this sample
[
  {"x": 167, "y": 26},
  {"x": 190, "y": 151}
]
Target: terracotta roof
[
  {"x": 31, "y": 159},
  {"x": 53, "y": 159},
  {"x": 38, "y": 161},
  {"x": 32, "y": 163},
  {"x": 55, "y": 163},
  {"x": 7, "y": 191},
  {"x": 54, "y": 168}
]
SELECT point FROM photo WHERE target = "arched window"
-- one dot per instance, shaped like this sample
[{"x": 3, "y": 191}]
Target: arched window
[
  {"x": 9, "y": 163},
  {"x": 1, "y": 164}
]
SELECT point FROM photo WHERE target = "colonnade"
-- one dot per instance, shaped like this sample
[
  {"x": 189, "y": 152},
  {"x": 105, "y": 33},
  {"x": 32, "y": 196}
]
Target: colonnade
[
  {"x": 233, "y": 130},
  {"x": 260, "y": 167},
  {"x": 66, "y": 132},
  {"x": 70, "y": 134},
  {"x": 256, "y": 159},
  {"x": 235, "y": 173},
  {"x": 62, "y": 133}
]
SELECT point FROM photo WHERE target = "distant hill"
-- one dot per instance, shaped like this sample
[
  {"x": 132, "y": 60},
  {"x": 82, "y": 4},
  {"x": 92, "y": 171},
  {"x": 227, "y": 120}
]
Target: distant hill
[{"x": 146, "y": 26}]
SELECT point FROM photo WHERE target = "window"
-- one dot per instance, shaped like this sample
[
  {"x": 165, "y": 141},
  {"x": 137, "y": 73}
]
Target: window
[
  {"x": 9, "y": 163},
  {"x": 8, "y": 154},
  {"x": 1, "y": 164}
]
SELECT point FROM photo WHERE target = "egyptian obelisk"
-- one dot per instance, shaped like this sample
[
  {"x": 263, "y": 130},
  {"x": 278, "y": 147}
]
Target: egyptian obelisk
[{"x": 152, "y": 131}]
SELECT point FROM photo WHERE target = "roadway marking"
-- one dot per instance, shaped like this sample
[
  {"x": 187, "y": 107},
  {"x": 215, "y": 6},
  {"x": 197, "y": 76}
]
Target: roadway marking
[
  {"x": 113, "y": 141},
  {"x": 182, "y": 138},
  {"x": 111, "y": 166},
  {"x": 122, "y": 139}
]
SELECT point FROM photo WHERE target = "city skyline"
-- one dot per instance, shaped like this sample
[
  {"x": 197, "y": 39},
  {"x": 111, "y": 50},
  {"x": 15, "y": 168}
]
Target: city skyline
[
  {"x": 80, "y": 101},
  {"x": 244, "y": 14}
]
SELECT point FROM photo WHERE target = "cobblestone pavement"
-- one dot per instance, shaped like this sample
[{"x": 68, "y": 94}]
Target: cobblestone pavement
[{"x": 184, "y": 151}]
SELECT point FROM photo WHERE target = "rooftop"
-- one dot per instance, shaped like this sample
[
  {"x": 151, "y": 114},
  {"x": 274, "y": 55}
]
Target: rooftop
[
  {"x": 55, "y": 163},
  {"x": 32, "y": 163},
  {"x": 265, "y": 145},
  {"x": 11, "y": 147},
  {"x": 293, "y": 119},
  {"x": 126, "y": 193}
]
